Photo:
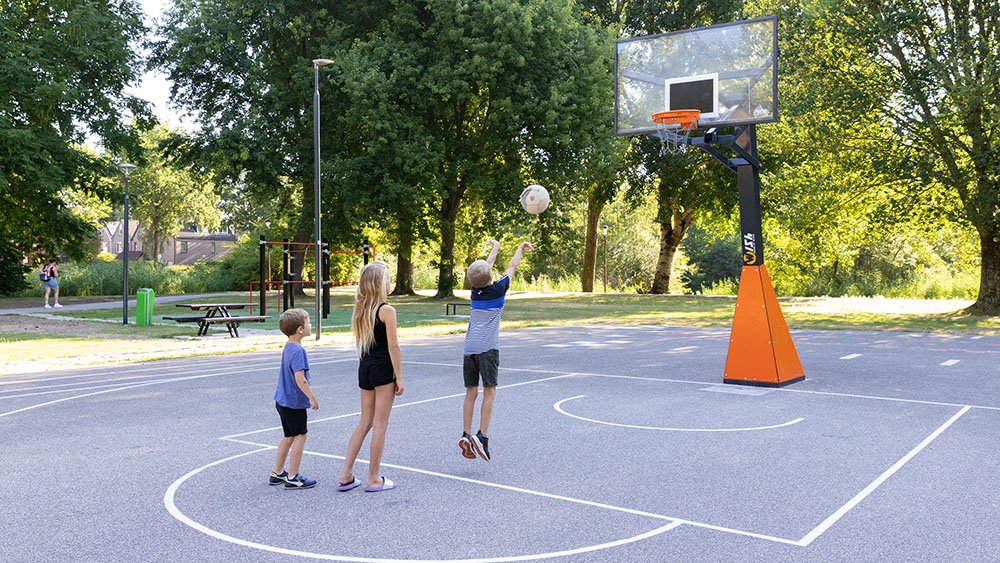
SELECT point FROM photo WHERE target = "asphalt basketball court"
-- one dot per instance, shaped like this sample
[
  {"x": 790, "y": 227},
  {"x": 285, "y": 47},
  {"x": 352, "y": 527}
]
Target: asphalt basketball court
[{"x": 610, "y": 443}]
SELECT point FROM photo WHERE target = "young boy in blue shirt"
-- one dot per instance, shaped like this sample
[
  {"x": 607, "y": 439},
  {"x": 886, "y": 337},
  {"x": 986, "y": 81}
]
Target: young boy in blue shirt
[
  {"x": 482, "y": 346},
  {"x": 291, "y": 399}
]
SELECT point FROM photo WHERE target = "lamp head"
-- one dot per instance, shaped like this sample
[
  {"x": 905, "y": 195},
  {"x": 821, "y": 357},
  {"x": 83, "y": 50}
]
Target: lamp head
[
  {"x": 605, "y": 230},
  {"x": 267, "y": 223},
  {"x": 126, "y": 168},
  {"x": 322, "y": 62}
]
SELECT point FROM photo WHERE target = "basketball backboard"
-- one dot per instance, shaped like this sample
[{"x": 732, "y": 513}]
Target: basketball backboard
[{"x": 727, "y": 71}]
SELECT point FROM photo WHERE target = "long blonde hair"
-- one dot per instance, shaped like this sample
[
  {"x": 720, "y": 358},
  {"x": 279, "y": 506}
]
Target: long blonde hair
[{"x": 371, "y": 293}]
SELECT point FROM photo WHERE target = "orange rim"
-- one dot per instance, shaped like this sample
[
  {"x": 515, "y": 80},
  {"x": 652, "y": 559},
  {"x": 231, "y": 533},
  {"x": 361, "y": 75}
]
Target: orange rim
[{"x": 686, "y": 118}]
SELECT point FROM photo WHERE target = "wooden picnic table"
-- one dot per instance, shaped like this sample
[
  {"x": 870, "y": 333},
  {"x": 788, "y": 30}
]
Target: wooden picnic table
[
  {"x": 215, "y": 309},
  {"x": 218, "y": 313}
]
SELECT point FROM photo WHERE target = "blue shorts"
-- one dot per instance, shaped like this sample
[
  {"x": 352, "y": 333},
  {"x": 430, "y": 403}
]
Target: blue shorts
[{"x": 51, "y": 283}]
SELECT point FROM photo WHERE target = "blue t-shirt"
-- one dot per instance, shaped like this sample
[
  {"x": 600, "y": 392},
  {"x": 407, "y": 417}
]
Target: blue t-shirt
[
  {"x": 288, "y": 394},
  {"x": 484, "y": 318}
]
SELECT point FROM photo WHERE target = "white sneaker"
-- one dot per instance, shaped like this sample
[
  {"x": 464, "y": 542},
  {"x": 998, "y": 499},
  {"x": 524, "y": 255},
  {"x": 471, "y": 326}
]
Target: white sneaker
[
  {"x": 47, "y": 306},
  {"x": 58, "y": 306}
]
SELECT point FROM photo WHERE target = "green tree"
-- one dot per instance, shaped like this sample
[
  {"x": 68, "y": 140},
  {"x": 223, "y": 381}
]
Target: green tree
[
  {"x": 64, "y": 65},
  {"x": 943, "y": 60},
  {"x": 684, "y": 184},
  {"x": 165, "y": 197},
  {"x": 486, "y": 95},
  {"x": 244, "y": 69}
]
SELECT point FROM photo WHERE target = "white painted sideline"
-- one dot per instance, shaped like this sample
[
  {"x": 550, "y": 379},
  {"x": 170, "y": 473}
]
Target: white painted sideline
[{"x": 832, "y": 519}]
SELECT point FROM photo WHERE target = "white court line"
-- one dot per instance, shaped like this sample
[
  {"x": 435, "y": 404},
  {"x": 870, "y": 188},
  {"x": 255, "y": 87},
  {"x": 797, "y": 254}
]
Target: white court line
[
  {"x": 71, "y": 388},
  {"x": 545, "y": 495},
  {"x": 950, "y": 362},
  {"x": 850, "y": 356},
  {"x": 75, "y": 389},
  {"x": 133, "y": 386},
  {"x": 420, "y": 402},
  {"x": 975, "y": 338},
  {"x": 168, "y": 501},
  {"x": 789, "y": 390},
  {"x": 3, "y": 414},
  {"x": 683, "y": 348},
  {"x": 558, "y": 407},
  {"x": 815, "y": 533},
  {"x": 96, "y": 374}
]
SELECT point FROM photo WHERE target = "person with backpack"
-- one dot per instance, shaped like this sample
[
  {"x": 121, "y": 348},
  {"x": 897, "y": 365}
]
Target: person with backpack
[{"x": 48, "y": 277}]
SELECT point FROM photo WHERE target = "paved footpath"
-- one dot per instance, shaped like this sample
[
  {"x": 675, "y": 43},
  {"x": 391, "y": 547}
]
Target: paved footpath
[{"x": 107, "y": 304}]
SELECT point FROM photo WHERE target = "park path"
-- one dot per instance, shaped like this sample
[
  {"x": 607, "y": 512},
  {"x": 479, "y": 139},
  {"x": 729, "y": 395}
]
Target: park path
[{"x": 114, "y": 304}]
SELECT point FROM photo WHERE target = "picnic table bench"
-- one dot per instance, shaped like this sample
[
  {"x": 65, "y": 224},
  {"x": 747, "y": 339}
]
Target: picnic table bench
[
  {"x": 217, "y": 313},
  {"x": 452, "y": 308}
]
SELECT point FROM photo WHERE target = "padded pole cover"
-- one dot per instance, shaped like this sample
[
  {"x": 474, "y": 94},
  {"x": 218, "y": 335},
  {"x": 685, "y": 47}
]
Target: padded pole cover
[{"x": 761, "y": 351}]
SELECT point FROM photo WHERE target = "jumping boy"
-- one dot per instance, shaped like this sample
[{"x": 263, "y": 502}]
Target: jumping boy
[
  {"x": 482, "y": 343},
  {"x": 292, "y": 398}
]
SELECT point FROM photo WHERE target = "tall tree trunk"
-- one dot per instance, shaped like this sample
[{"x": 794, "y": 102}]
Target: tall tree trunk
[
  {"x": 988, "y": 300},
  {"x": 446, "y": 263},
  {"x": 671, "y": 235},
  {"x": 156, "y": 245},
  {"x": 594, "y": 208},
  {"x": 404, "y": 259}
]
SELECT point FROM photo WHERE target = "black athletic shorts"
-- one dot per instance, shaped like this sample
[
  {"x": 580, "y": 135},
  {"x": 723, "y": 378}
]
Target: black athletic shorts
[
  {"x": 293, "y": 421},
  {"x": 486, "y": 365},
  {"x": 376, "y": 373}
]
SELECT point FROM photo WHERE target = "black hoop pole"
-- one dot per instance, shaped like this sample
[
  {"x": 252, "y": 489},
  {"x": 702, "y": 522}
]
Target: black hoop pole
[
  {"x": 284, "y": 276},
  {"x": 263, "y": 288},
  {"x": 326, "y": 278},
  {"x": 365, "y": 249}
]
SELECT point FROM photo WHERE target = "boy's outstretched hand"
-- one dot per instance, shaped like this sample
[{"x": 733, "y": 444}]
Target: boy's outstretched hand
[
  {"x": 492, "y": 242},
  {"x": 527, "y": 246}
]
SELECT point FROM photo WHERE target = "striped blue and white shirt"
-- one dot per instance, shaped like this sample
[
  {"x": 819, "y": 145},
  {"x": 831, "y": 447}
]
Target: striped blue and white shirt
[{"x": 484, "y": 318}]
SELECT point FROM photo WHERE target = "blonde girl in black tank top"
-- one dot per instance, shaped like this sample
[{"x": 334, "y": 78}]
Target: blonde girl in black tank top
[{"x": 373, "y": 325}]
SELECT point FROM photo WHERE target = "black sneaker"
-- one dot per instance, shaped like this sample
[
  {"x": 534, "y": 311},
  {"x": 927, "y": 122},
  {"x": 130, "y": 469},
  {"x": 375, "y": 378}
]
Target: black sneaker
[
  {"x": 277, "y": 478},
  {"x": 465, "y": 444},
  {"x": 481, "y": 444},
  {"x": 299, "y": 482}
]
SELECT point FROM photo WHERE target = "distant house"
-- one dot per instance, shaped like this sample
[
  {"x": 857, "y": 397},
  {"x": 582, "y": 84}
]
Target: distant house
[{"x": 189, "y": 246}]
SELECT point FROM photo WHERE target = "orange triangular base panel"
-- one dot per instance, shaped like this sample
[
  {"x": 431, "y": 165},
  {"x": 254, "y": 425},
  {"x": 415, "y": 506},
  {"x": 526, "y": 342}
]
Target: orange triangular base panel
[{"x": 761, "y": 351}]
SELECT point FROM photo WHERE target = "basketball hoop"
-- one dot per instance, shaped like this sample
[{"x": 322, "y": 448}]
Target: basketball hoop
[{"x": 674, "y": 127}]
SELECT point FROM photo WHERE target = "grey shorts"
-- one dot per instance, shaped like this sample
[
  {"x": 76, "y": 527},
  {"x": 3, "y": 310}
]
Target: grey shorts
[
  {"x": 486, "y": 365},
  {"x": 51, "y": 283}
]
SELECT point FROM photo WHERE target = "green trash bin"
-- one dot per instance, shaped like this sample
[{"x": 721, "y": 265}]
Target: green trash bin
[{"x": 144, "y": 306}]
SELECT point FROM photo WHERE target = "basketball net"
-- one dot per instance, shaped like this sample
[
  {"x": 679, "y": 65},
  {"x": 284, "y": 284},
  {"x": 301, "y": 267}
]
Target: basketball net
[{"x": 674, "y": 128}]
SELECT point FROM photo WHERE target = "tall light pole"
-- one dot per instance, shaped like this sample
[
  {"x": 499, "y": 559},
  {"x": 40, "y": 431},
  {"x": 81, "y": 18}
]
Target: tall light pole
[
  {"x": 318, "y": 275},
  {"x": 605, "y": 258},
  {"x": 267, "y": 280},
  {"x": 126, "y": 168}
]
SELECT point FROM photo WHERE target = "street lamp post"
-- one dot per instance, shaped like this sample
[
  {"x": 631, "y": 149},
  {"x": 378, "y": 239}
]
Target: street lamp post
[
  {"x": 126, "y": 168},
  {"x": 316, "y": 64},
  {"x": 267, "y": 280},
  {"x": 605, "y": 258}
]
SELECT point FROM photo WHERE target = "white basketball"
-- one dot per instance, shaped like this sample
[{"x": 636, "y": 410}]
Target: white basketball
[{"x": 535, "y": 199}]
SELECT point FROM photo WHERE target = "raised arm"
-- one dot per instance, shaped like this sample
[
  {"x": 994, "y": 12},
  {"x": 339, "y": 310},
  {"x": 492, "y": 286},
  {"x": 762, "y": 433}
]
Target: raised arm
[
  {"x": 493, "y": 252},
  {"x": 515, "y": 261}
]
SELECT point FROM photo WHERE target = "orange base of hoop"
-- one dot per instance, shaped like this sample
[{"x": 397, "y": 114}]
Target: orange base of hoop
[{"x": 686, "y": 118}]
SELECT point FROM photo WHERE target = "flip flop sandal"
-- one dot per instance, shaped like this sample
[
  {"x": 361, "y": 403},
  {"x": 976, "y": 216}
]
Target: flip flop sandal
[
  {"x": 385, "y": 486},
  {"x": 348, "y": 486}
]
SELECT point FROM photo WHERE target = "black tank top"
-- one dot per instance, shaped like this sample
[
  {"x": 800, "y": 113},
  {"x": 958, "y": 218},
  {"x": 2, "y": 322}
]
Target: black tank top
[{"x": 380, "y": 348}]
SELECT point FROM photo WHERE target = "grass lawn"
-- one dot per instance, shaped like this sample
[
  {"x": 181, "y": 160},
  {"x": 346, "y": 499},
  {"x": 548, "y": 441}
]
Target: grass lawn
[
  {"x": 422, "y": 315},
  {"x": 35, "y": 344}
]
